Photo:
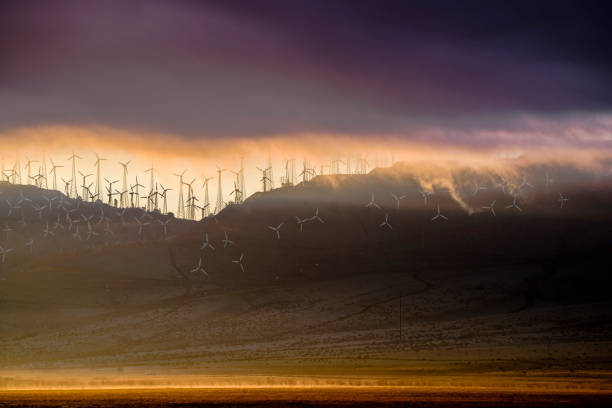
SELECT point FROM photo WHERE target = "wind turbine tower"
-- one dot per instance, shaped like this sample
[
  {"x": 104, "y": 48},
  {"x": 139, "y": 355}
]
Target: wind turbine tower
[
  {"x": 98, "y": 175},
  {"x": 123, "y": 196},
  {"x": 241, "y": 181},
  {"x": 180, "y": 211},
  {"x": 152, "y": 185},
  {"x": 29, "y": 167},
  {"x": 73, "y": 184},
  {"x": 54, "y": 171},
  {"x": 220, "y": 202},
  {"x": 43, "y": 182},
  {"x": 17, "y": 171},
  {"x": 236, "y": 192},
  {"x": 270, "y": 175},
  {"x": 191, "y": 213},
  {"x": 206, "y": 206}
]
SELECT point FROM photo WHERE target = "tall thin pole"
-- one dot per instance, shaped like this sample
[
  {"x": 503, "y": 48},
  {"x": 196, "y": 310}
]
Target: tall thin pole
[
  {"x": 241, "y": 181},
  {"x": 220, "y": 202},
  {"x": 206, "y": 206},
  {"x": 270, "y": 173},
  {"x": 43, "y": 182},
  {"x": 180, "y": 211}
]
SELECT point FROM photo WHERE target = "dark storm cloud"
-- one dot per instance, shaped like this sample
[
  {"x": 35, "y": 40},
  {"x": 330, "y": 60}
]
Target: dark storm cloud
[{"x": 207, "y": 69}]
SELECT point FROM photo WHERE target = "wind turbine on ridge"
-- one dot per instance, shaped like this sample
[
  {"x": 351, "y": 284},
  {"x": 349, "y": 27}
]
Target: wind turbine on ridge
[
  {"x": 54, "y": 172},
  {"x": 97, "y": 164},
  {"x": 123, "y": 195},
  {"x": 73, "y": 186}
]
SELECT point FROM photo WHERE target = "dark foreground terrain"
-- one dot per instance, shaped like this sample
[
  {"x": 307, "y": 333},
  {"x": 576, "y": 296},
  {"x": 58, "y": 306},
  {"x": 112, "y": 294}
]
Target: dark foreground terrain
[
  {"x": 506, "y": 310},
  {"x": 305, "y": 397}
]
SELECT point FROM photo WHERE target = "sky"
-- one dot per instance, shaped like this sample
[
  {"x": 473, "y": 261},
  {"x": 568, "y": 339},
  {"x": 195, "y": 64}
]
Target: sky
[
  {"x": 208, "y": 69},
  {"x": 217, "y": 79}
]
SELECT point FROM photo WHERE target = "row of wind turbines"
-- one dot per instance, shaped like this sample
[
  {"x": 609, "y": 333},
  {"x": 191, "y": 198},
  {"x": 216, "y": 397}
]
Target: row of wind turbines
[{"x": 90, "y": 183}]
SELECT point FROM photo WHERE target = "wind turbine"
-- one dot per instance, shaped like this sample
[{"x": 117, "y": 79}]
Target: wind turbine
[
  {"x": 109, "y": 189},
  {"x": 307, "y": 172},
  {"x": 206, "y": 244},
  {"x": 121, "y": 214},
  {"x": 38, "y": 210},
  {"x": 199, "y": 268},
  {"x": 3, "y": 252},
  {"x": 237, "y": 194},
  {"x": 241, "y": 184},
  {"x": 276, "y": 229},
  {"x": 11, "y": 207},
  {"x": 372, "y": 203},
  {"x": 39, "y": 179},
  {"x": 136, "y": 192},
  {"x": 438, "y": 214},
  {"x": 190, "y": 199},
  {"x": 43, "y": 170},
  {"x": 47, "y": 231},
  {"x": 385, "y": 223},
  {"x": 398, "y": 199},
  {"x": 503, "y": 184},
  {"x": 239, "y": 261},
  {"x": 140, "y": 225},
  {"x": 8, "y": 175},
  {"x": 426, "y": 195},
  {"x": 206, "y": 206},
  {"x": 264, "y": 179},
  {"x": 76, "y": 234},
  {"x": 97, "y": 164},
  {"x": 17, "y": 172},
  {"x": 220, "y": 202},
  {"x": 29, "y": 167},
  {"x": 66, "y": 187},
  {"x": 90, "y": 233},
  {"x": 300, "y": 222},
  {"x": 123, "y": 196},
  {"x": 164, "y": 224},
  {"x": 84, "y": 185},
  {"x": 6, "y": 231},
  {"x": 180, "y": 211},
  {"x": 163, "y": 194},
  {"x": 514, "y": 204},
  {"x": 562, "y": 199},
  {"x": 524, "y": 183},
  {"x": 73, "y": 181},
  {"x": 191, "y": 205},
  {"x": 54, "y": 172},
  {"x": 152, "y": 184},
  {"x": 226, "y": 240},
  {"x": 490, "y": 207},
  {"x": 479, "y": 188},
  {"x": 316, "y": 217}
]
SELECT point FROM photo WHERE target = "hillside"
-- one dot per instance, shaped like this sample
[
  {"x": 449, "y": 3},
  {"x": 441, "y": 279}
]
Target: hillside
[{"x": 520, "y": 292}]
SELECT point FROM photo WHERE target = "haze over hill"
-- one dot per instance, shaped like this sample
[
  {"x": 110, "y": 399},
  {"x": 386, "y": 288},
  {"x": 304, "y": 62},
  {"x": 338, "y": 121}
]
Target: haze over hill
[{"x": 520, "y": 291}]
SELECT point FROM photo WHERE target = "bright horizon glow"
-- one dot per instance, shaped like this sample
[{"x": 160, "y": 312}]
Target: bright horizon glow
[{"x": 170, "y": 154}]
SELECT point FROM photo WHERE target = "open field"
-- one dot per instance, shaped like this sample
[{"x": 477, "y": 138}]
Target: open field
[{"x": 306, "y": 397}]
